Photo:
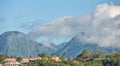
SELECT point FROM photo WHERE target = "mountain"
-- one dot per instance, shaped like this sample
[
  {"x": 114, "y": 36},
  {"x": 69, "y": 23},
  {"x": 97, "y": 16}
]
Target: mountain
[
  {"x": 75, "y": 46},
  {"x": 14, "y": 43},
  {"x": 54, "y": 46},
  {"x": 61, "y": 45},
  {"x": 57, "y": 47}
]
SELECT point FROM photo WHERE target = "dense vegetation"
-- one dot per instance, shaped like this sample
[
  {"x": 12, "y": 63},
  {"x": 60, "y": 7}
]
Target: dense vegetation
[
  {"x": 49, "y": 62},
  {"x": 86, "y": 58},
  {"x": 96, "y": 58},
  {"x": 2, "y": 58}
]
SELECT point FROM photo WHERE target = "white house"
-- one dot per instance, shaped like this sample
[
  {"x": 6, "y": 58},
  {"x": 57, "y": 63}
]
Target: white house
[{"x": 12, "y": 63}]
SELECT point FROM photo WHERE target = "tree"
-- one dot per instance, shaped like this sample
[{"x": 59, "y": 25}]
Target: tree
[
  {"x": 2, "y": 57},
  {"x": 97, "y": 54},
  {"x": 19, "y": 59},
  {"x": 112, "y": 60},
  {"x": 42, "y": 55},
  {"x": 30, "y": 56},
  {"x": 64, "y": 54},
  {"x": 84, "y": 56}
]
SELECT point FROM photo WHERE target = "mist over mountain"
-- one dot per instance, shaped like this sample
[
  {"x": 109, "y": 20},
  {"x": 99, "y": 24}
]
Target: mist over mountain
[
  {"x": 102, "y": 26},
  {"x": 14, "y": 43},
  {"x": 77, "y": 44}
]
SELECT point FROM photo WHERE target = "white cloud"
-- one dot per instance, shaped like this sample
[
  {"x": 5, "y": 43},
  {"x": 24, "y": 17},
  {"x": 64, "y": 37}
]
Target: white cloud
[
  {"x": 102, "y": 27},
  {"x": 105, "y": 25},
  {"x": 64, "y": 31},
  {"x": 107, "y": 10},
  {"x": 64, "y": 26}
]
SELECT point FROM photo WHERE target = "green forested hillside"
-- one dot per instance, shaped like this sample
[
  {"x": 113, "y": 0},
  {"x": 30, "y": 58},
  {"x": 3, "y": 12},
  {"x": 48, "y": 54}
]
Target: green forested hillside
[{"x": 96, "y": 58}]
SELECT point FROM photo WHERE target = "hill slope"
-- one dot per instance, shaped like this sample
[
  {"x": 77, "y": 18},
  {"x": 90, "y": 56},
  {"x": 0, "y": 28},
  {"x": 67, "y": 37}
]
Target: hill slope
[
  {"x": 75, "y": 46},
  {"x": 14, "y": 43}
]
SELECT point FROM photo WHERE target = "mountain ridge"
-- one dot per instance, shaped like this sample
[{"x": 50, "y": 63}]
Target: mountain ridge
[
  {"x": 15, "y": 43},
  {"x": 75, "y": 46}
]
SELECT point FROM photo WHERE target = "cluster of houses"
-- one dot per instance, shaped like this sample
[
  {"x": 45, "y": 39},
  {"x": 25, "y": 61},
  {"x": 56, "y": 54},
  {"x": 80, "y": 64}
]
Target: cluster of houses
[{"x": 13, "y": 62}]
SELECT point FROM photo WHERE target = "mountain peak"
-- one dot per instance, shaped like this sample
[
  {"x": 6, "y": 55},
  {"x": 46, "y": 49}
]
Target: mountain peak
[
  {"x": 13, "y": 32},
  {"x": 15, "y": 43},
  {"x": 80, "y": 37}
]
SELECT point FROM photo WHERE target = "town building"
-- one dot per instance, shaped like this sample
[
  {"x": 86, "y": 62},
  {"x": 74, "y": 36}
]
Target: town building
[
  {"x": 12, "y": 63},
  {"x": 1, "y": 65},
  {"x": 26, "y": 60},
  {"x": 56, "y": 58},
  {"x": 10, "y": 59}
]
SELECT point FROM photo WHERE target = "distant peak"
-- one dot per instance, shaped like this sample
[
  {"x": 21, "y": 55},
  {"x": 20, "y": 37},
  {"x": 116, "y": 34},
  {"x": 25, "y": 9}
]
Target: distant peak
[
  {"x": 81, "y": 34},
  {"x": 13, "y": 32}
]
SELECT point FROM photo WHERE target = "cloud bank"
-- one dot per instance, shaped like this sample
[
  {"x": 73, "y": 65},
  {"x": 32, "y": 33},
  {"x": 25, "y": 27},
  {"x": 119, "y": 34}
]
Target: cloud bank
[{"x": 102, "y": 26}]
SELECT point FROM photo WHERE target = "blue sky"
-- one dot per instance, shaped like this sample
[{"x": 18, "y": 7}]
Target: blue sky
[
  {"x": 15, "y": 12},
  {"x": 46, "y": 9},
  {"x": 24, "y": 15}
]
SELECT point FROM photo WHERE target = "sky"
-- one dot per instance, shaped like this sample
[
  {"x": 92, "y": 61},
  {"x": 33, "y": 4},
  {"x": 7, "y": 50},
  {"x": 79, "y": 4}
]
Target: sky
[
  {"x": 46, "y": 9},
  {"x": 48, "y": 21}
]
